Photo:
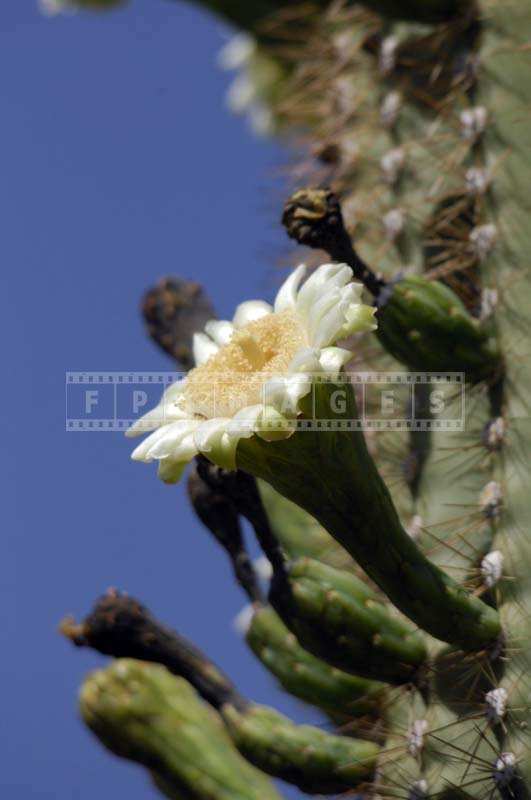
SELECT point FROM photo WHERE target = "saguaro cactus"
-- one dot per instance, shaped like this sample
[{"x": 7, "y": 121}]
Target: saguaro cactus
[{"x": 399, "y": 597}]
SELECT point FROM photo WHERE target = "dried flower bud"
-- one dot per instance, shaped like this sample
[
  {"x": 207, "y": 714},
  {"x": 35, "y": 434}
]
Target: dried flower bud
[
  {"x": 313, "y": 218},
  {"x": 173, "y": 311}
]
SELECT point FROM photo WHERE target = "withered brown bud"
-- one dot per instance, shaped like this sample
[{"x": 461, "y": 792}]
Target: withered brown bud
[
  {"x": 313, "y": 218},
  {"x": 174, "y": 310}
]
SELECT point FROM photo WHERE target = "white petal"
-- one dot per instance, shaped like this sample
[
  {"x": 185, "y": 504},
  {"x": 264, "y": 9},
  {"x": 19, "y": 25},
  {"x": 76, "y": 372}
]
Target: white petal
[
  {"x": 305, "y": 360},
  {"x": 149, "y": 422},
  {"x": 141, "y": 452},
  {"x": 168, "y": 410},
  {"x": 273, "y": 425},
  {"x": 333, "y": 359},
  {"x": 174, "y": 391},
  {"x": 330, "y": 300},
  {"x": 171, "y": 471},
  {"x": 250, "y": 311},
  {"x": 287, "y": 294},
  {"x": 244, "y": 422},
  {"x": 359, "y": 317},
  {"x": 330, "y": 327},
  {"x": 203, "y": 348},
  {"x": 345, "y": 318},
  {"x": 213, "y": 440},
  {"x": 323, "y": 279},
  {"x": 285, "y": 392},
  {"x": 220, "y": 330},
  {"x": 169, "y": 446}
]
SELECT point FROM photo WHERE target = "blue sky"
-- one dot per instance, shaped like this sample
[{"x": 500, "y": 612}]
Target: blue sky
[{"x": 119, "y": 164}]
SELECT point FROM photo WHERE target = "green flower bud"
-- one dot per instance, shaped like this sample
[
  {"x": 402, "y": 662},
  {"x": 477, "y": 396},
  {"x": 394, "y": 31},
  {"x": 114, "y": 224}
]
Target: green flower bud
[{"x": 426, "y": 326}]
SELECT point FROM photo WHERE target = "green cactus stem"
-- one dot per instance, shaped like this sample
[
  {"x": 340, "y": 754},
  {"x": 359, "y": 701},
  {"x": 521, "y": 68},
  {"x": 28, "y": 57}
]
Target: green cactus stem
[
  {"x": 340, "y": 619},
  {"x": 311, "y": 759},
  {"x": 333, "y": 477},
  {"x": 315, "y": 761},
  {"x": 334, "y": 614},
  {"x": 307, "y": 677},
  {"x": 143, "y": 713}
]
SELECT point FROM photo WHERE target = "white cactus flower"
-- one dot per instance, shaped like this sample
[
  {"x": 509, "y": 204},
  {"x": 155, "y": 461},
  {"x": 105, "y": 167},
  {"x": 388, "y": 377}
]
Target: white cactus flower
[{"x": 251, "y": 373}]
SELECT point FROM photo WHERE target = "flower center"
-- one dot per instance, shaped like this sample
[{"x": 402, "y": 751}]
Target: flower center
[{"x": 233, "y": 378}]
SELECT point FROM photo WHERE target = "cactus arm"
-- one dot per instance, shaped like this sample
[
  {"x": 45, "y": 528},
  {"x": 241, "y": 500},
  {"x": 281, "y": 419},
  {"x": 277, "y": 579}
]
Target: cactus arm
[
  {"x": 340, "y": 619},
  {"x": 315, "y": 761},
  {"x": 307, "y": 677},
  {"x": 353, "y": 504},
  {"x": 120, "y": 626},
  {"x": 142, "y": 713}
]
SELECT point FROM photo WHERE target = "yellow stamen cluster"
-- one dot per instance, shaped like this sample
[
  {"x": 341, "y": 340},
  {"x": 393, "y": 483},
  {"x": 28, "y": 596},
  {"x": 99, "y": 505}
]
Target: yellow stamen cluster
[{"x": 233, "y": 378}]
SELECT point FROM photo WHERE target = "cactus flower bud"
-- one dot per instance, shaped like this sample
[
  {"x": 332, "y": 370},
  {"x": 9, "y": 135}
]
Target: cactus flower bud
[{"x": 426, "y": 326}]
